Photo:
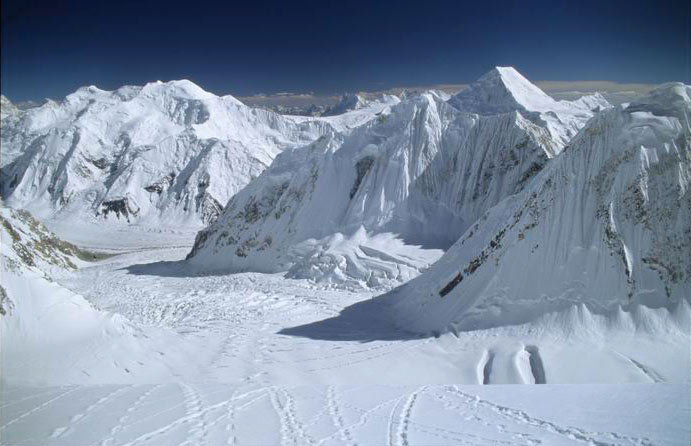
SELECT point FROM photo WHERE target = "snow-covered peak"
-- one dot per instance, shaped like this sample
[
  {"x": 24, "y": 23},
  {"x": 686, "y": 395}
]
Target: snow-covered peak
[
  {"x": 355, "y": 101},
  {"x": 181, "y": 88},
  {"x": 502, "y": 90},
  {"x": 594, "y": 102},
  {"x": 348, "y": 102},
  {"x": 505, "y": 90}
]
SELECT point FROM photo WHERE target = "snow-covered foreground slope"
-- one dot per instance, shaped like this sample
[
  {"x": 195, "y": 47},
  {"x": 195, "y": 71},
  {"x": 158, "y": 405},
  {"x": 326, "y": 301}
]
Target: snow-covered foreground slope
[
  {"x": 626, "y": 415},
  {"x": 271, "y": 360},
  {"x": 422, "y": 173},
  {"x": 607, "y": 224},
  {"x": 49, "y": 333},
  {"x": 165, "y": 153}
]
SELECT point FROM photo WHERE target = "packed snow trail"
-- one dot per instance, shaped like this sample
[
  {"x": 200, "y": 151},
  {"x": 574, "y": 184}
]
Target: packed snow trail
[{"x": 259, "y": 359}]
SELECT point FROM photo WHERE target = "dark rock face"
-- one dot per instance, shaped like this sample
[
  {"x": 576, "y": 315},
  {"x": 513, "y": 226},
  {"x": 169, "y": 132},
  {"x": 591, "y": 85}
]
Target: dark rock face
[
  {"x": 121, "y": 208},
  {"x": 361, "y": 168}
]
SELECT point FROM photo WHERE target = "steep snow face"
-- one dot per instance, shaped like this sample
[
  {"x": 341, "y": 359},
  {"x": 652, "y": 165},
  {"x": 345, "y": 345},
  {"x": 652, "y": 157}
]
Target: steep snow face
[
  {"x": 166, "y": 153},
  {"x": 607, "y": 223},
  {"x": 419, "y": 175},
  {"x": 503, "y": 90}
]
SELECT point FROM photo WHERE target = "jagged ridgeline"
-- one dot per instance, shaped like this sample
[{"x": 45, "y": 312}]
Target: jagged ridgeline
[
  {"x": 607, "y": 223},
  {"x": 356, "y": 207}
]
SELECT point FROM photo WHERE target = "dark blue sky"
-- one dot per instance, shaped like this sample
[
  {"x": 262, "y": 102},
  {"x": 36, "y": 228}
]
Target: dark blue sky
[{"x": 50, "y": 48}]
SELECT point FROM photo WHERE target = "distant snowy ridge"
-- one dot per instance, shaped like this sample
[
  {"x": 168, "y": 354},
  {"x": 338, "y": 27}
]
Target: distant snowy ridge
[
  {"x": 166, "y": 153},
  {"x": 351, "y": 102},
  {"x": 423, "y": 171},
  {"x": 606, "y": 224}
]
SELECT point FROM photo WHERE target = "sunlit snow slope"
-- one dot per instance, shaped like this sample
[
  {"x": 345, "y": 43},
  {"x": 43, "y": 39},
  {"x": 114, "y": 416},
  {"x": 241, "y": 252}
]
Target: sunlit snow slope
[
  {"x": 353, "y": 207},
  {"x": 607, "y": 223}
]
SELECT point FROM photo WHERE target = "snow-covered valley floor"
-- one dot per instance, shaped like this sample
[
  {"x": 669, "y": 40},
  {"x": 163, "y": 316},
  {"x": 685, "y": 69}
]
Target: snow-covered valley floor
[{"x": 259, "y": 359}]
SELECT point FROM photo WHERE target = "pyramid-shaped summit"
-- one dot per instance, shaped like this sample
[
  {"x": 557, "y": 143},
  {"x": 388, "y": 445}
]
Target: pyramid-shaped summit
[
  {"x": 502, "y": 90},
  {"x": 505, "y": 90}
]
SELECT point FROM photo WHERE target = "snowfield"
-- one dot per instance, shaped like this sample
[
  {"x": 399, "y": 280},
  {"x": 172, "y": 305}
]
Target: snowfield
[
  {"x": 492, "y": 268},
  {"x": 158, "y": 356}
]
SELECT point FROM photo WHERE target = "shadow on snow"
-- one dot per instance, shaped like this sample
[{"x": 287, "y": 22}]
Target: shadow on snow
[{"x": 365, "y": 321}]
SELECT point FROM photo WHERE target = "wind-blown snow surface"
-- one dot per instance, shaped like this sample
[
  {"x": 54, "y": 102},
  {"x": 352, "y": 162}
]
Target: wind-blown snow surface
[
  {"x": 163, "y": 154},
  {"x": 421, "y": 173},
  {"x": 607, "y": 223}
]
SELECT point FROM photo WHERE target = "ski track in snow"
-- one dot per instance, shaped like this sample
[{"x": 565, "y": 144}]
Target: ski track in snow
[
  {"x": 470, "y": 420},
  {"x": 323, "y": 391}
]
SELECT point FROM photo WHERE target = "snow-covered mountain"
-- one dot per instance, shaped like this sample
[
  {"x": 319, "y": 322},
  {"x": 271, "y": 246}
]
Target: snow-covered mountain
[
  {"x": 503, "y": 90},
  {"x": 349, "y": 206},
  {"x": 352, "y": 101},
  {"x": 167, "y": 153},
  {"x": 606, "y": 223}
]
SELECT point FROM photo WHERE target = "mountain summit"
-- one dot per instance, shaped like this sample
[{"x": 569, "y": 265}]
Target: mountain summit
[
  {"x": 505, "y": 90},
  {"x": 502, "y": 90}
]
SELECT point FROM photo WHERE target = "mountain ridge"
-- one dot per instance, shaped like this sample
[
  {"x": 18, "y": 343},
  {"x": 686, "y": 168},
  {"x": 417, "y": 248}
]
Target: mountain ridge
[{"x": 422, "y": 173}]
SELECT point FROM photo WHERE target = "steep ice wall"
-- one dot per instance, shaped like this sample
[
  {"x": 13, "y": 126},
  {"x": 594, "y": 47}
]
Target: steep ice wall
[{"x": 606, "y": 223}]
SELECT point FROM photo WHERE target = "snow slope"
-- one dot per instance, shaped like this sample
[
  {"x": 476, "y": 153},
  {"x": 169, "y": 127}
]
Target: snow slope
[
  {"x": 606, "y": 224},
  {"x": 49, "y": 333},
  {"x": 422, "y": 172},
  {"x": 165, "y": 153}
]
